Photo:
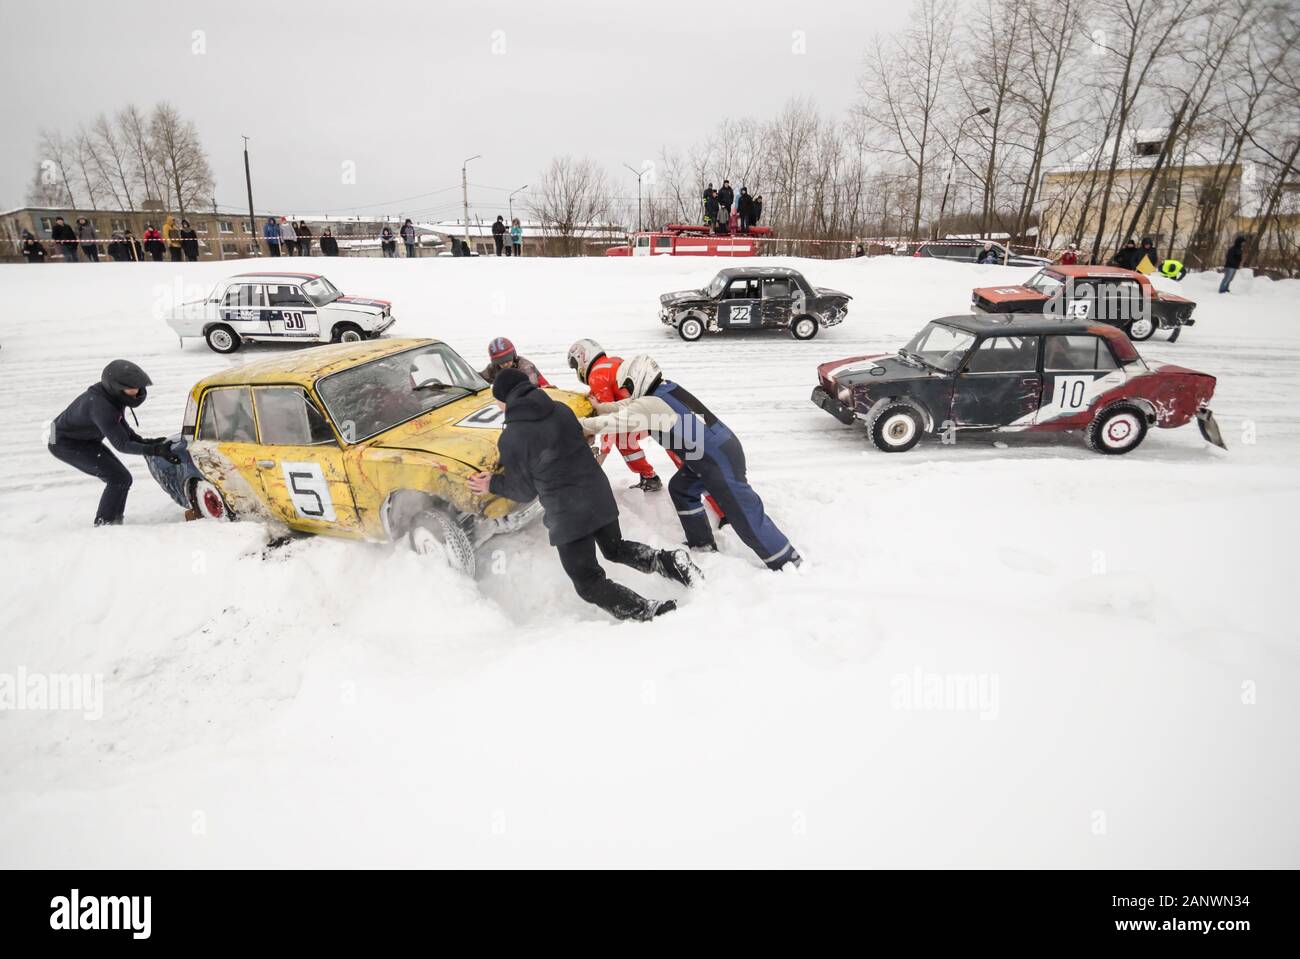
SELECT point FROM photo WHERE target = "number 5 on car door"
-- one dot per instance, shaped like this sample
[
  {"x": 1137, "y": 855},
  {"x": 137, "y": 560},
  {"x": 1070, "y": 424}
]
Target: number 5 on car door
[{"x": 308, "y": 491}]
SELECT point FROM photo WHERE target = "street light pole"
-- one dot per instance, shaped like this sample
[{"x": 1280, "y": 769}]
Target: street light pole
[
  {"x": 510, "y": 202},
  {"x": 248, "y": 181},
  {"x": 639, "y": 174},
  {"x": 938, "y": 227},
  {"x": 464, "y": 192}
]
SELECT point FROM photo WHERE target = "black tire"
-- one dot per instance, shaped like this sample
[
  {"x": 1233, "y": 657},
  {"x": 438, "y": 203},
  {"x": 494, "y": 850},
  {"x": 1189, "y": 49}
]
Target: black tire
[
  {"x": 1118, "y": 429},
  {"x": 348, "y": 333},
  {"x": 222, "y": 339},
  {"x": 1143, "y": 329},
  {"x": 433, "y": 533},
  {"x": 804, "y": 327},
  {"x": 208, "y": 502},
  {"x": 690, "y": 329},
  {"x": 897, "y": 429}
]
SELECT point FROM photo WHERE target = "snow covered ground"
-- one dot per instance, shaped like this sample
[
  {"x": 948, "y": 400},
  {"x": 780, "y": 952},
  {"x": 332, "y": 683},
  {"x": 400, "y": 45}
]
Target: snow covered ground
[{"x": 1126, "y": 625}]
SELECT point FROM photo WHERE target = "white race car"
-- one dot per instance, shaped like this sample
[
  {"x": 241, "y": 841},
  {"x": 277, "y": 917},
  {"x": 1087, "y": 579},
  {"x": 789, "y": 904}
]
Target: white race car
[{"x": 264, "y": 307}]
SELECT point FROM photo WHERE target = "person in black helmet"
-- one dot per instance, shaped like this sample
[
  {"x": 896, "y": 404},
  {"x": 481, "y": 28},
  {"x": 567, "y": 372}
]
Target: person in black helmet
[{"x": 78, "y": 433}]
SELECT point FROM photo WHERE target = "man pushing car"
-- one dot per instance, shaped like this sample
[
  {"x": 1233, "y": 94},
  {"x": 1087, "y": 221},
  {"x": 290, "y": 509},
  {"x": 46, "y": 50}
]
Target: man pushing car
[
  {"x": 598, "y": 371},
  {"x": 712, "y": 459}
]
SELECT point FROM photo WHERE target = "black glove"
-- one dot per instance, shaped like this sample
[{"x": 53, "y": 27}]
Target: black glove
[
  {"x": 162, "y": 450},
  {"x": 153, "y": 440}
]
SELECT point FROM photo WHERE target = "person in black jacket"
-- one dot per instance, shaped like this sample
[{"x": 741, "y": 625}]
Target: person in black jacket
[
  {"x": 1126, "y": 258},
  {"x": 544, "y": 455},
  {"x": 329, "y": 246},
  {"x": 726, "y": 196},
  {"x": 756, "y": 210},
  {"x": 1232, "y": 262},
  {"x": 66, "y": 238},
  {"x": 499, "y": 234},
  {"x": 189, "y": 241},
  {"x": 710, "y": 204},
  {"x": 86, "y": 234},
  {"x": 78, "y": 433},
  {"x": 32, "y": 248},
  {"x": 744, "y": 209}
]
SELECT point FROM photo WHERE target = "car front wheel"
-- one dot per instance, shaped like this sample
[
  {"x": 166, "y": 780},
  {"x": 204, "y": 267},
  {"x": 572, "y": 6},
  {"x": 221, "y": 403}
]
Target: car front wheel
[
  {"x": 348, "y": 333},
  {"x": 222, "y": 339},
  {"x": 897, "y": 429},
  {"x": 690, "y": 329},
  {"x": 1141, "y": 329},
  {"x": 804, "y": 327},
  {"x": 434, "y": 534},
  {"x": 1118, "y": 430},
  {"x": 208, "y": 501}
]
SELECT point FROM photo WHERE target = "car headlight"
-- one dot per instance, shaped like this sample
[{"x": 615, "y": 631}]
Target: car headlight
[{"x": 845, "y": 393}]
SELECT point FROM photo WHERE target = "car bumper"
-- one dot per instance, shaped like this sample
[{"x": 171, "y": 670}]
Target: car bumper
[
  {"x": 833, "y": 406},
  {"x": 384, "y": 324}
]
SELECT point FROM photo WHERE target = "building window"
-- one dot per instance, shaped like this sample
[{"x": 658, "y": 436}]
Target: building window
[
  {"x": 229, "y": 248},
  {"x": 47, "y": 224},
  {"x": 245, "y": 227},
  {"x": 201, "y": 226},
  {"x": 1148, "y": 148},
  {"x": 1169, "y": 195},
  {"x": 118, "y": 225},
  {"x": 226, "y": 226}
]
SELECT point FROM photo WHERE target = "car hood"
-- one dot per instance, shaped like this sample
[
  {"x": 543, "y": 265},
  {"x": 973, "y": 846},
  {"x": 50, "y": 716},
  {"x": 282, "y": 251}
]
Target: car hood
[
  {"x": 360, "y": 304},
  {"x": 827, "y": 291},
  {"x": 682, "y": 296},
  {"x": 1003, "y": 294},
  {"x": 876, "y": 368},
  {"x": 466, "y": 431}
]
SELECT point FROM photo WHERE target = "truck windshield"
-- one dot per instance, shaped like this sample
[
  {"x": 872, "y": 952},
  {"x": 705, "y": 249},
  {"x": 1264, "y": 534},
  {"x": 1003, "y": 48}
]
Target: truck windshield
[
  {"x": 320, "y": 291},
  {"x": 943, "y": 347},
  {"x": 366, "y": 400}
]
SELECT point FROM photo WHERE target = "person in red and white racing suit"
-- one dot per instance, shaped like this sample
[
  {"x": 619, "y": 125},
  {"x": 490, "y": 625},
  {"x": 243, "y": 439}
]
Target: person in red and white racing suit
[{"x": 598, "y": 371}]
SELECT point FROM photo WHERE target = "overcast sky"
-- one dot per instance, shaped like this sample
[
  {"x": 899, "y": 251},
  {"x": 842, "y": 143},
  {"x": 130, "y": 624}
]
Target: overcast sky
[{"x": 405, "y": 91}]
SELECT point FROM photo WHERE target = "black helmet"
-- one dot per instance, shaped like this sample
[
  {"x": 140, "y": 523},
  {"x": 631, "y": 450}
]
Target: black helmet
[{"x": 123, "y": 375}]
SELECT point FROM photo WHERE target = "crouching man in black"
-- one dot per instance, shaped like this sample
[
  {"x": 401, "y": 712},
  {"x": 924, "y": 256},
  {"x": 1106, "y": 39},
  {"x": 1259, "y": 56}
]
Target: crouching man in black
[
  {"x": 78, "y": 434},
  {"x": 544, "y": 455}
]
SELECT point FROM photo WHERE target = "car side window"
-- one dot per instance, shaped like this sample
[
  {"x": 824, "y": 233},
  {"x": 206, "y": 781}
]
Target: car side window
[
  {"x": 742, "y": 290},
  {"x": 287, "y": 296},
  {"x": 286, "y": 417},
  {"x": 774, "y": 287},
  {"x": 1077, "y": 353},
  {"x": 245, "y": 295},
  {"x": 227, "y": 416},
  {"x": 1005, "y": 354}
]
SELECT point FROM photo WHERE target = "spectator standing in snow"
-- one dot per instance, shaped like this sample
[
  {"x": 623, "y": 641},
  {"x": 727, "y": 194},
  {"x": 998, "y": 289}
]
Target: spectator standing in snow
[
  {"x": 388, "y": 242},
  {"x": 1148, "y": 250},
  {"x": 303, "y": 232},
  {"x": 134, "y": 249},
  {"x": 545, "y": 457},
  {"x": 117, "y": 251},
  {"x": 271, "y": 234},
  {"x": 517, "y": 237},
  {"x": 153, "y": 242},
  {"x": 288, "y": 237},
  {"x": 32, "y": 248},
  {"x": 1127, "y": 256},
  {"x": 1070, "y": 256},
  {"x": 78, "y": 433},
  {"x": 408, "y": 237},
  {"x": 1232, "y": 262},
  {"x": 189, "y": 241},
  {"x": 756, "y": 210},
  {"x": 499, "y": 234},
  {"x": 172, "y": 234},
  {"x": 86, "y": 237},
  {"x": 66, "y": 238},
  {"x": 744, "y": 209},
  {"x": 328, "y": 245}
]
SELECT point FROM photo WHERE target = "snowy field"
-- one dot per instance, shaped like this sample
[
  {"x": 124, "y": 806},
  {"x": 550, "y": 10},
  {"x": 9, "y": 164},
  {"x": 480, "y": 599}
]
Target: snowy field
[{"x": 1127, "y": 622}]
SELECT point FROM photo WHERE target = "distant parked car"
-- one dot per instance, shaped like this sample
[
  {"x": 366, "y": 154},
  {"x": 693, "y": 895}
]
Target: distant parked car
[
  {"x": 968, "y": 251},
  {"x": 754, "y": 298},
  {"x": 265, "y": 307},
  {"x": 1015, "y": 372},
  {"x": 1123, "y": 298}
]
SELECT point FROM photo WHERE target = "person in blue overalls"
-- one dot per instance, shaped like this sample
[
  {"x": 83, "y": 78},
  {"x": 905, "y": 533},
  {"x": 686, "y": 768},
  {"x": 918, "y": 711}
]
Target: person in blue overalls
[{"x": 712, "y": 459}]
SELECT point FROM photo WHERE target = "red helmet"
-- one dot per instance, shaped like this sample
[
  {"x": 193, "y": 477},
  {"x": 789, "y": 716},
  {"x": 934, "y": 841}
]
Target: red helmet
[{"x": 501, "y": 351}]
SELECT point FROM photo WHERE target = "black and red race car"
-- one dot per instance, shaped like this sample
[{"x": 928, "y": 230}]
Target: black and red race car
[
  {"x": 1010, "y": 372},
  {"x": 1123, "y": 298}
]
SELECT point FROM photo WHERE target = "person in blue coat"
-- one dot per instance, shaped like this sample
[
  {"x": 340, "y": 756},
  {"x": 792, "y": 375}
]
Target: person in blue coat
[
  {"x": 712, "y": 459},
  {"x": 271, "y": 234}
]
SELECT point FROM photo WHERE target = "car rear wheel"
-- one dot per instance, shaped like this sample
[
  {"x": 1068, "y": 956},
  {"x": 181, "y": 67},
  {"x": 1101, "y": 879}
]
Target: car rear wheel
[
  {"x": 208, "y": 501},
  {"x": 690, "y": 329},
  {"x": 348, "y": 333},
  {"x": 897, "y": 429},
  {"x": 1118, "y": 430},
  {"x": 1141, "y": 329},
  {"x": 222, "y": 339},
  {"x": 434, "y": 534},
  {"x": 803, "y": 327}
]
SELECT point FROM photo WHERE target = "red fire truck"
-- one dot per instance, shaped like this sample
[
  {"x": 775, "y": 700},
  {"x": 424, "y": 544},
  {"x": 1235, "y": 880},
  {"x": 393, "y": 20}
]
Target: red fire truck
[{"x": 683, "y": 239}]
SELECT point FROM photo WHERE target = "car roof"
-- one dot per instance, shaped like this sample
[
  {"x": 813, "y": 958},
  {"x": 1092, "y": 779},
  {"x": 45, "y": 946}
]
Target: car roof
[
  {"x": 984, "y": 324},
  {"x": 1093, "y": 272},
  {"x": 290, "y": 277},
  {"x": 734, "y": 271},
  {"x": 305, "y": 367}
]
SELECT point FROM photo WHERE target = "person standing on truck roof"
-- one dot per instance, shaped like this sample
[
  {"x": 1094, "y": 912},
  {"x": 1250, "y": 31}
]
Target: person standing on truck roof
[
  {"x": 726, "y": 197},
  {"x": 710, "y": 204},
  {"x": 756, "y": 211},
  {"x": 745, "y": 209}
]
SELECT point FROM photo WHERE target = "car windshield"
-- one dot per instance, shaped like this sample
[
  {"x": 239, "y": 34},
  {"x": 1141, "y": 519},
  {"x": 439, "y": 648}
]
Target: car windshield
[
  {"x": 943, "y": 347},
  {"x": 1044, "y": 281},
  {"x": 714, "y": 289},
  {"x": 320, "y": 291},
  {"x": 368, "y": 399}
]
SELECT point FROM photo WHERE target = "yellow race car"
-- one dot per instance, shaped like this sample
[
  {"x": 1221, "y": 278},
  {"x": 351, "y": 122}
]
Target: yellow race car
[{"x": 373, "y": 440}]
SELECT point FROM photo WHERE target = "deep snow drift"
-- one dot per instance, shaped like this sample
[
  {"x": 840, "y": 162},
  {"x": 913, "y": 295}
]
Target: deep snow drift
[{"x": 1119, "y": 630}]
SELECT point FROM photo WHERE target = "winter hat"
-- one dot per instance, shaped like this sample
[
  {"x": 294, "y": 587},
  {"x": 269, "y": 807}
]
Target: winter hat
[
  {"x": 501, "y": 350},
  {"x": 506, "y": 382}
]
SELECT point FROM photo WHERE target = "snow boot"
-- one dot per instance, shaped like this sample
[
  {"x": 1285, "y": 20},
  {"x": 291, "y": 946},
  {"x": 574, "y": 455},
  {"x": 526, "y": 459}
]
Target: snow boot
[
  {"x": 648, "y": 484},
  {"x": 667, "y": 606},
  {"x": 676, "y": 565}
]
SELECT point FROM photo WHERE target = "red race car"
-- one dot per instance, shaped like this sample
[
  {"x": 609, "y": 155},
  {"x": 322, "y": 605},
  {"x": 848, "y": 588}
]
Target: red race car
[
  {"x": 1123, "y": 298},
  {"x": 1015, "y": 373}
]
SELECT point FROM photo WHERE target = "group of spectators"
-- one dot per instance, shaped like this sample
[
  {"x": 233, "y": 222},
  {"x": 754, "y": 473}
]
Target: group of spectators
[
  {"x": 516, "y": 233},
  {"x": 718, "y": 212},
  {"x": 74, "y": 242},
  {"x": 293, "y": 239}
]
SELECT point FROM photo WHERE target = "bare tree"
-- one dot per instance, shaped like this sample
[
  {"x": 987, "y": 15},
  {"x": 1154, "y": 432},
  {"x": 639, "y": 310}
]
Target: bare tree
[
  {"x": 573, "y": 195},
  {"x": 180, "y": 156},
  {"x": 54, "y": 164},
  {"x": 112, "y": 161}
]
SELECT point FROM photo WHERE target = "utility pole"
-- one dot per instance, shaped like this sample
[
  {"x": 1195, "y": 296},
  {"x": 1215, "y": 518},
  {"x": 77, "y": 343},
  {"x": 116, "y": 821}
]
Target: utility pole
[
  {"x": 638, "y": 174},
  {"x": 938, "y": 229},
  {"x": 510, "y": 202},
  {"x": 464, "y": 191},
  {"x": 248, "y": 181}
]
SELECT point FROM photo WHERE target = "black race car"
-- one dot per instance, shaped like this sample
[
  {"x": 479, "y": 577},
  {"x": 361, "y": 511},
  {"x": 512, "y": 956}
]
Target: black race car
[{"x": 754, "y": 298}]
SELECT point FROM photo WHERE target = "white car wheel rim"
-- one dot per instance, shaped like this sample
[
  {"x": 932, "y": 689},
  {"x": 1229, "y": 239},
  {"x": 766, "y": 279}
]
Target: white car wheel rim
[
  {"x": 691, "y": 328},
  {"x": 899, "y": 429},
  {"x": 1141, "y": 328},
  {"x": 804, "y": 328},
  {"x": 221, "y": 339},
  {"x": 1121, "y": 431},
  {"x": 351, "y": 336}
]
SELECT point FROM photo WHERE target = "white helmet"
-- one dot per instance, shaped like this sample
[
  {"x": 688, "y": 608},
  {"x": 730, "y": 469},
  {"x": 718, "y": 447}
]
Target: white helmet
[
  {"x": 582, "y": 354},
  {"x": 639, "y": 375}
]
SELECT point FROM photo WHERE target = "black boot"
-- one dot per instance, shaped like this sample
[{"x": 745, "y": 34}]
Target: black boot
[
  {"x": 676, "y": 565},
  {"x": 648, "y": 484}
]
